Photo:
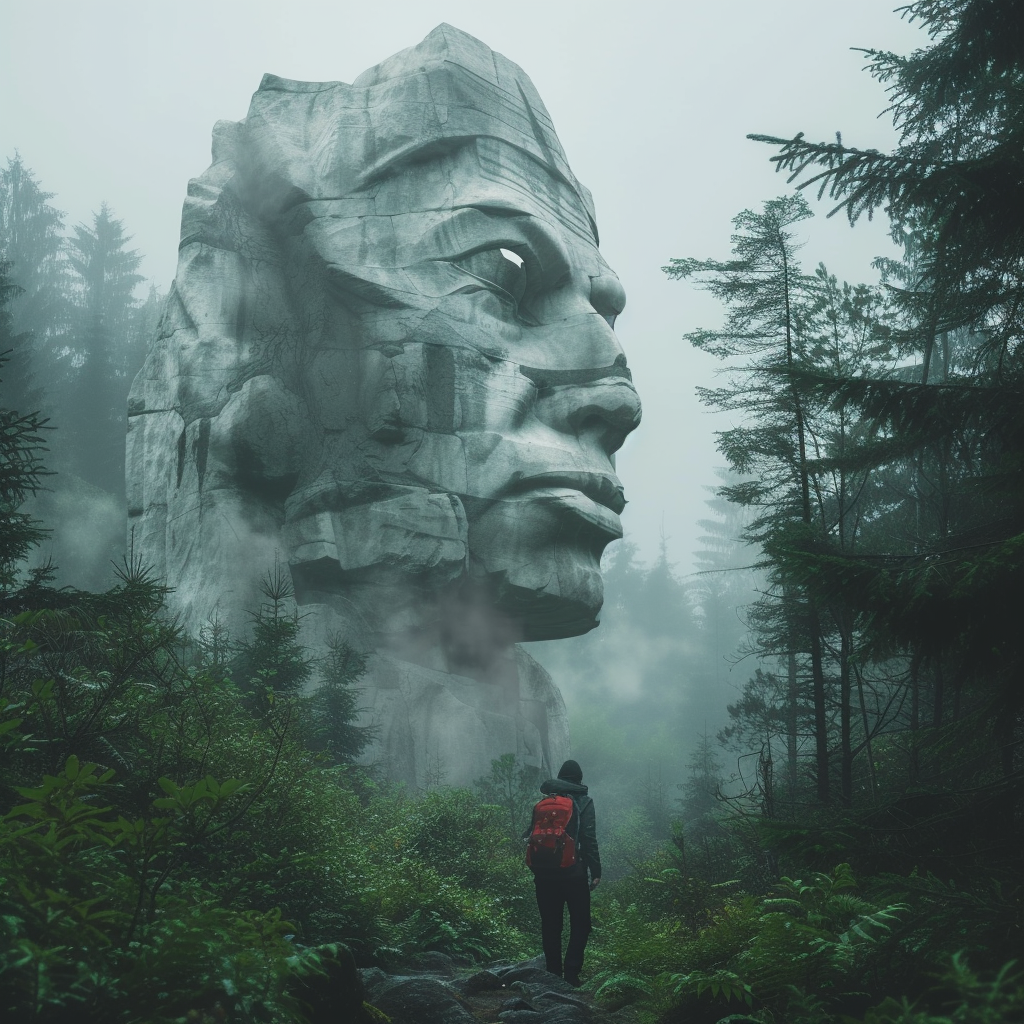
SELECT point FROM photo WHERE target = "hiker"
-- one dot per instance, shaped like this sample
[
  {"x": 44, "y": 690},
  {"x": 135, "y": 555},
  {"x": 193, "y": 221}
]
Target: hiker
[{"x": 562, "y": 851}]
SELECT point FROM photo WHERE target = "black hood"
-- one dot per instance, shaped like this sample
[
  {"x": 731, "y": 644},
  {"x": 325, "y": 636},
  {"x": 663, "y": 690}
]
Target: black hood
[{"x": 563, "y": 786}]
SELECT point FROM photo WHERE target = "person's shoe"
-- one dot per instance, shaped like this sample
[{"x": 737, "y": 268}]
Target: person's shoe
[{"x": 573, "y": 979}]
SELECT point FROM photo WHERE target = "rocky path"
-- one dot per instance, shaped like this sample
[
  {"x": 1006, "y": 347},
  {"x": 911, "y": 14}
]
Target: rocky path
[{"x": 436, "y": 991}]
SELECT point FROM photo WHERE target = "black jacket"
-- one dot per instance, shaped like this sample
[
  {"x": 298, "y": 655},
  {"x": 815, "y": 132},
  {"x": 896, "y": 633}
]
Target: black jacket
[{"x": 589, "y": 859}]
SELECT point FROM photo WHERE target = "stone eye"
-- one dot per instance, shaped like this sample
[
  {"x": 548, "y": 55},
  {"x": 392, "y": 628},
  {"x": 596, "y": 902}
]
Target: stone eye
[{"x": 502, "y": 268}]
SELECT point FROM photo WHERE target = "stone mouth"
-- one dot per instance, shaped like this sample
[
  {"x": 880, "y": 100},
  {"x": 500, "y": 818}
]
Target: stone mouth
[{"x": 603, "y": 488}]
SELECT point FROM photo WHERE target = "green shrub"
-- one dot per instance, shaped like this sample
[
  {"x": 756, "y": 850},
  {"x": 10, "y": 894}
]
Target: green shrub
[
  {"x": 442, "y": 875},
  {"x": 101, "y": 924},
  {"x": 962, "y": 997}
]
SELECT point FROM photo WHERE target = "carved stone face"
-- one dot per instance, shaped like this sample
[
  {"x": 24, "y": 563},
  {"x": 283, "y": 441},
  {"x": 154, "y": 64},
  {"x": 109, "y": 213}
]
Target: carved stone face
[
  {"x": 472, "y": 374},
  {"x": 420, "y": 387}
]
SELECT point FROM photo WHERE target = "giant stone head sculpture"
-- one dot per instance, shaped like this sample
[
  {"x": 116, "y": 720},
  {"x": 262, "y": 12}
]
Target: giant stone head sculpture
[{"x": 388, "y": 359}]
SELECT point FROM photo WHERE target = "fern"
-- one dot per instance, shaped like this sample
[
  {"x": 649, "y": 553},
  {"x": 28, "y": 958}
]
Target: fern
[
  {"x": 868, "y": 926},
  {"x": 811, "y": 941},
  {"x": 964, "y": 995},
  {"x": 721, "y": 985},
  {"x": 620, "y": 987}
]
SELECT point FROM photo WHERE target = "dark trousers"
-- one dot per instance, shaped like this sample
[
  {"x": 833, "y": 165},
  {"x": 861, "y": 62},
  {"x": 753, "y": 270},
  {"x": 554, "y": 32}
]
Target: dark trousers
[{"x": 552, "y": 896}]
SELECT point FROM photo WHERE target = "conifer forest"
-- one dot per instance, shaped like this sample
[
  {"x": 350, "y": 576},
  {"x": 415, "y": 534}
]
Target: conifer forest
[{"x": 189, "y": 834}]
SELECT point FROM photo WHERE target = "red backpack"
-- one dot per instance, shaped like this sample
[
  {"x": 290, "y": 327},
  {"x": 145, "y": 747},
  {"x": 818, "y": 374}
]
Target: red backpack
[{"x": 554, "y": 838}]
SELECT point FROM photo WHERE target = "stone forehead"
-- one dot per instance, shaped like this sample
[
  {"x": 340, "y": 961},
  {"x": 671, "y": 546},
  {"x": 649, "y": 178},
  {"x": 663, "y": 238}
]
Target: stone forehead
[{"x": 327, "y": 140}]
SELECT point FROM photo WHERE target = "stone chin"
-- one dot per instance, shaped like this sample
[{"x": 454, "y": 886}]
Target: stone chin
[
  {"x": 536, "y": 557},
  {"x": 542, "y": 556}
]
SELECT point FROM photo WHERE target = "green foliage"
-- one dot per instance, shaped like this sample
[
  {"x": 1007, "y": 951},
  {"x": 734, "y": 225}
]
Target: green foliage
[
  {"x": 719, "y": 984},
  {"x": 965, "y": 997},
  {"x": 190, "y": 897},
  {"x": 512, "y": 787},
  {"x": 814, "y": 949},
  {"x": 272, "y": 662},
  {"x": 629, "y": 950},
  {"x": 21, "y": 466},
  {"x": 443, "y": 873},
  {"x": 185, "y": 836},
  {"x": 334, "y": 707},
  {"x": 101, "y": 923},
  {"x": 956, "y": 172},
  {"x": 92, "y": 415},
  {"x": 815, "y": 935},
  {"x": 459, "y": 837}
]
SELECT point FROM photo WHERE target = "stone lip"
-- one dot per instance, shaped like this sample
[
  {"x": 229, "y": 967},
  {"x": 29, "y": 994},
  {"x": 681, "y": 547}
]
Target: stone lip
[{"x": 603, "y": 488}]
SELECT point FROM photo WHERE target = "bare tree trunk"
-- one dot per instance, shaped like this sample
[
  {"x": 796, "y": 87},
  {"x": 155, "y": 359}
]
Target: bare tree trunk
[
  {"x": 867, "y": 736},
  {"x": 813, "y": 620},
  {"x": 820, "y": 715},
  {"x": 792, "y": 720},
  {"x": 845, "y": 715},
  {"x": 938, "y": 696},
  {"x": 915, "y": 713}
]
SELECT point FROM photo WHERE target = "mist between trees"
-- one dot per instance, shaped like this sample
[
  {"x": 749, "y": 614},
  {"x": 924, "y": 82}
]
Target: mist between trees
[
  {"x": 79, "y": 332},
  {"x": 81, "y": 317},
  {"x": 806, "y": 754}
]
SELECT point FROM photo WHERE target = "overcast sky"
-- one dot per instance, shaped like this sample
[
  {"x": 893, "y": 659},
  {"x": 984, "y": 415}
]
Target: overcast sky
[{"x": 114, "y": 100}]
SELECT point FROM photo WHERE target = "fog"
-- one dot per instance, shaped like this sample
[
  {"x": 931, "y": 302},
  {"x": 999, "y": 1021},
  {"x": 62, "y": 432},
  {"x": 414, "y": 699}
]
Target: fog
[{"x": 114, "y": 102}]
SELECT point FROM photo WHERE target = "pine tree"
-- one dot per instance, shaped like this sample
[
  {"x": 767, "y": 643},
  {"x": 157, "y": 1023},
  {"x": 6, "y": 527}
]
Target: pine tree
[
  {"x": 947, "y": 585},
  {"x": 726, "y": 582},
  {"x": 20, "y": 387},
  {"x": 334, "y": 708},
  {"x": 701, "y": 789},
  {"x": 768, "y": 300},
  {"x": 21, "y": 467},
  {"x": 956, "y": 176},
  {"x": 272, "y": 664},
  {"x": 666, "y": 608},
  {"x": 698, "y": 837},
  {"x": 31, "y": 242},
  {"x": 513, "y": 787},
  {"x": 98, "y": 395},
  {"x": 797, "y": 457},
  {"x": 20, "y": 472}
]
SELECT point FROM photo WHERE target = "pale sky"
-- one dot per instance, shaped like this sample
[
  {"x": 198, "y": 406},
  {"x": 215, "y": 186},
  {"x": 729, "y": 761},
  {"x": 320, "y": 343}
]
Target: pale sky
[{"x": 114, "y": 101}]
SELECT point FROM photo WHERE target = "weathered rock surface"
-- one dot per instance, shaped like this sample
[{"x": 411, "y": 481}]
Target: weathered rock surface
[
  {"x": 521, "y": 993},
  {"x": 421, "y": 1001},
  {"x": 387, "y": 361}
]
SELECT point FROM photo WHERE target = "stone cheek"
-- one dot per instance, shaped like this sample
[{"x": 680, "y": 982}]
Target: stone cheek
[{"x": 417, "y": 533}]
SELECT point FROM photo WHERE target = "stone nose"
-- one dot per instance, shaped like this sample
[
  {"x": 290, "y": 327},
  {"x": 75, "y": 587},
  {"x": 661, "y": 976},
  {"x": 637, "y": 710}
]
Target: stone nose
[{"x": 597, "y": 404}]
